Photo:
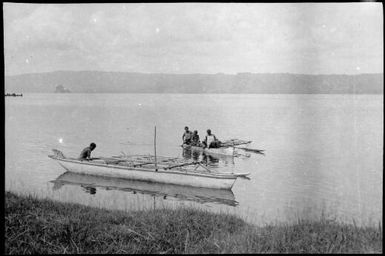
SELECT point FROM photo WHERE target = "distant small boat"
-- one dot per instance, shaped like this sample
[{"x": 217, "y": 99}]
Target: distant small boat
[
  {"x": 200, "y": 195},
  {"x": 148, "y": 168},
  {"x": 14, "y": 95}
]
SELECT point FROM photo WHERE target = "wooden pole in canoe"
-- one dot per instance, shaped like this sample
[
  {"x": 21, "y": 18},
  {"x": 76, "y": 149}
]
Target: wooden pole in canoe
[
  {"x": 156, "y": 165},
  {"x": 233, "y": 156}
]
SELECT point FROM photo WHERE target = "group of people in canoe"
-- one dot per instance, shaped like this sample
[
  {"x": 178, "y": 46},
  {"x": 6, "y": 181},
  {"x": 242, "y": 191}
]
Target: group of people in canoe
[
  {"x": 192, "y": 139},
  {"x": 189, "y": 138}
]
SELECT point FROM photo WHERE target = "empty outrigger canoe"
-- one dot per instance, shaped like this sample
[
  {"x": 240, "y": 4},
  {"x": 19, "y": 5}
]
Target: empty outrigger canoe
[{"x": 151, "y": 169}]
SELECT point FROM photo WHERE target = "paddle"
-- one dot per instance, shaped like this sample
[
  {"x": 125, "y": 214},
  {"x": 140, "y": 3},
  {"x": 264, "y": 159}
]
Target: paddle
[
  {"x": 237, "y": 143},
  {"x": 244, "y": 177},
  {"x": 257, "y": 151}
]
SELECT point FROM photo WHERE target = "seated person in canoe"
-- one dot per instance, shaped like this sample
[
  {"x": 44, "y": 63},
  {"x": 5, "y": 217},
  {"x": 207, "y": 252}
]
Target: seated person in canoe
[
  {"x": 195, "y": 139},
  {"x": 211, "y": 141},
  {"x": 86, "y": 153},
  {"x": 187, "y": 136}
]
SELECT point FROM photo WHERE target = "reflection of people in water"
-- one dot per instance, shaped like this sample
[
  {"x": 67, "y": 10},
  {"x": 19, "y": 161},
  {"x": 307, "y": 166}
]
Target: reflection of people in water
[
  {"x": 88, "y": 189},
  {"x": 57, "y": 185},
  {"x": 209, "y": 159},
  {"x": 186, "y": 153},
  {"x": 195, "y": 155},
  {"x": 190, "y": 154}
]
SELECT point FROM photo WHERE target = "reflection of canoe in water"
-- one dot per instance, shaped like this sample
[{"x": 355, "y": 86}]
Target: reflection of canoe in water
[
  {"x": 201, "y": 195},
  {"x": 144, "y": 168}
]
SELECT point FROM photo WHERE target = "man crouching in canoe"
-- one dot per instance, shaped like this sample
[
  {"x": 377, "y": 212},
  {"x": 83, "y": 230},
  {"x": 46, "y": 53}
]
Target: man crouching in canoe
[{"x": 86, "y": 153}]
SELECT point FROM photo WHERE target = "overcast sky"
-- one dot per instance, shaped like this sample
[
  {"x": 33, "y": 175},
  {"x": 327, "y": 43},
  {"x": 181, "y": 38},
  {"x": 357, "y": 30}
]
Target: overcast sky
[{"x": 311, "y": 38}]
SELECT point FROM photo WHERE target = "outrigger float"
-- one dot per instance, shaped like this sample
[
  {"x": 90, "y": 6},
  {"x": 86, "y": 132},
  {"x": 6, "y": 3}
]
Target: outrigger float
[{"x": 151, "y": 169}]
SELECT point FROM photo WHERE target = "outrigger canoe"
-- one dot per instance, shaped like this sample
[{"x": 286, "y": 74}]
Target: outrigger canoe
[
  {"x": 222, "y": 151},
  {"x": 183, "y": 193},
  {"x": 227, "y": 148},
  {"x": 148, "y": 168}
]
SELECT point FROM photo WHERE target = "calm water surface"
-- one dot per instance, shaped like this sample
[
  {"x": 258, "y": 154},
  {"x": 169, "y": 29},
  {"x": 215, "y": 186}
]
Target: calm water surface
[{"x": 323, "y": 152}]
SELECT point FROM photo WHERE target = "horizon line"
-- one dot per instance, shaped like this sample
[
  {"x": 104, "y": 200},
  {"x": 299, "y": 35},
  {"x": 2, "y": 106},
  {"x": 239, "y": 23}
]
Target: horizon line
[{"x": 217, "y": 73}]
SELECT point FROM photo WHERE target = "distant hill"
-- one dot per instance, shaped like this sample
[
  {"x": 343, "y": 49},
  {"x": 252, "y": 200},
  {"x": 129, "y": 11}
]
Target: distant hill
[{"x": 121, "y": 82}]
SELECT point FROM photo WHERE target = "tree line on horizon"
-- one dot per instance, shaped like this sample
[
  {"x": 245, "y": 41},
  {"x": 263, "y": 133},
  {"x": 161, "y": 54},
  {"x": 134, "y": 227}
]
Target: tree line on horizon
[{"x": 122, "y": 82}]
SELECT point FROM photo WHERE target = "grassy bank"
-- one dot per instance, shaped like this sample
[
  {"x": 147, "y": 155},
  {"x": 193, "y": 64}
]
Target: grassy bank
[{"x": 44, "y": 226}]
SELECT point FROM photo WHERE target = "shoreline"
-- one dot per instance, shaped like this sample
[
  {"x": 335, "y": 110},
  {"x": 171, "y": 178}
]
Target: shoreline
[{"x": 42, "y": 226}]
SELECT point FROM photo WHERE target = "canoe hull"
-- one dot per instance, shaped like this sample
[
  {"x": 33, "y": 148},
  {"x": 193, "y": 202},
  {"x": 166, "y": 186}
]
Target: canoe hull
[{"x": 225, "y": 181}]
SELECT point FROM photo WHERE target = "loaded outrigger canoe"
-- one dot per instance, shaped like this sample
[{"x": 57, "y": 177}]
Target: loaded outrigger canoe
[
  {"x": 221, "y": 151},
  {"x": 230, "y": 147},
  {"x": 148, "y": 168}
]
